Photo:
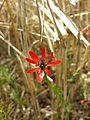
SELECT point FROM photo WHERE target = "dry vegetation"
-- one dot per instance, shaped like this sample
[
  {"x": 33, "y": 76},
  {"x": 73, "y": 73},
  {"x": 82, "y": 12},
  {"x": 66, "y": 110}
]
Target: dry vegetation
[{"x": 61, "y": 27}]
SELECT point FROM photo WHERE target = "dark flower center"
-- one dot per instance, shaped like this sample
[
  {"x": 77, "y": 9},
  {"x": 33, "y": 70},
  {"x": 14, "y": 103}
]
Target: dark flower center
[{"x": 42, "y": 65}]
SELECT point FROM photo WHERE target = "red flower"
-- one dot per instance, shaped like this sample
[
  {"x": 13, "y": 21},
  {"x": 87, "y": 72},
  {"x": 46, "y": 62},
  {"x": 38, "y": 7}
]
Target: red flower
[
  {"x": 41, "y": 64},
  {"x": 85, "y": 101}
]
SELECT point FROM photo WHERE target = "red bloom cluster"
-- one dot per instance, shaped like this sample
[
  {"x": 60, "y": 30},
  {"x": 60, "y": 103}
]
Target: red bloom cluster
[
  {"x": 85, "y": 101},
  {"x": 41, "y": 64}
]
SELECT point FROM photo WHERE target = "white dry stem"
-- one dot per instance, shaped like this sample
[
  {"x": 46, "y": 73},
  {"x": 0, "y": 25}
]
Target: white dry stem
[
  {"x": 13, "y": 47},
  {"x": 68, "y": 22}
]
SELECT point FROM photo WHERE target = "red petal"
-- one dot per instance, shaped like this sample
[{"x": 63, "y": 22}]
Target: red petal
[
  {"x": 32, "y": 70},
  {"x": 48, "y": 72},
  {"x": 54, "y": 63},
  {"x": 50, "y": 57},
  {"x": 43, "y": 53},
  {"x": 34, "y": 56},
  {"x": 85, "y": 101},
  {"x": 40, "y": 76},
  {"x": 30, "y": 61}
]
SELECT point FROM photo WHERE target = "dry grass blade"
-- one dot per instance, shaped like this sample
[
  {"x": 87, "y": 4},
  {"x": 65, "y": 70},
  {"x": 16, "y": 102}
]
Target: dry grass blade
[
  {"x": 80, "y": 14},
  {"x": 46, "y": 26},
  {"x": 49, "y": 41},
  {"x": 29, "y": 83},
  {"x": 13, "y": 47},
  {"x": 2, "y": 4},
  {"x": 70, "y": 25},
  {"x": 61, "y": 27},
  {"x": 57, "y": 23},
  {"x": 13, "y": 24},
  {"x": 85, "y": 58}
]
